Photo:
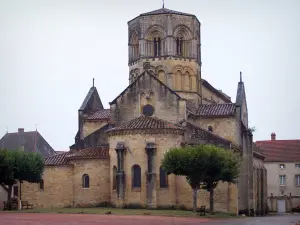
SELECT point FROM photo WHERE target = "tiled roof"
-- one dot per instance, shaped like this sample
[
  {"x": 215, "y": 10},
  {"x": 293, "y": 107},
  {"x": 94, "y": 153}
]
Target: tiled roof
[
  {"x": 216, "y": 110},
  {"x": 100, "y": 115},
  {"x": 165, "y": 11},
  {"x": 280, "y": 150},
  {"x": 32, "y": 141},
  {"x": 90, "y": 153},
  {"x": 146, "y": 122},
  {"x": 58, "y": 159}
]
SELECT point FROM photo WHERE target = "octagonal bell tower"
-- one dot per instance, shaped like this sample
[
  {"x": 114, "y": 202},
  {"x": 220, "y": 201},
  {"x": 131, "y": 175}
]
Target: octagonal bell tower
[{"x": 170, "y": 41}]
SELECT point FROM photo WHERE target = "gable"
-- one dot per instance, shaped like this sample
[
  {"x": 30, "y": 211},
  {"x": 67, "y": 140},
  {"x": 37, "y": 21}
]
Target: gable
[
  {"x": 211, "y": 95},
  {"x": 147, "y": 90}
]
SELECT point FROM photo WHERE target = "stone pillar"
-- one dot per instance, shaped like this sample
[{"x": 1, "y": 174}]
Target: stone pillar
[
  {"x": 250, "y": 169},
  {"x": 120, "y": 150},
  {"x": 151, "y": 179}
]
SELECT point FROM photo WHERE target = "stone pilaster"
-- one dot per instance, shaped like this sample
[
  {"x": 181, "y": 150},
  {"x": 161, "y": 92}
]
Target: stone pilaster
[
  {"x": 120, "y": 150},
  {"x": 151, "y": 179}
]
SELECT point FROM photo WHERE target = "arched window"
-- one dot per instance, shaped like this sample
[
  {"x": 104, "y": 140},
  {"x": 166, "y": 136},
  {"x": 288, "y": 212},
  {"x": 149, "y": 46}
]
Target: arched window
[
  {"x": 157, "y": 47},
  {"x": 136, "y": 176},
  {"x": 41, "y": 184},
  {"x": 210, "y": 128},
  {"x": 114, "y": 178},
  {"x": 179, "y": 46},
  {"x": 85, "y": 181},
  {"x": 163, "y": 178}
]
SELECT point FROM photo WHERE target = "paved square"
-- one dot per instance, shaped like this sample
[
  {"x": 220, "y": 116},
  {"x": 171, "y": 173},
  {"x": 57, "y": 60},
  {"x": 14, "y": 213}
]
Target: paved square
[{"x": 89, "y": 219}]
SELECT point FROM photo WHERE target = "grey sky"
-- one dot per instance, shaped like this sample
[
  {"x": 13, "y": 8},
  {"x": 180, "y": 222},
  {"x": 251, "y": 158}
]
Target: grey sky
[{"x": 51, "y": 49}]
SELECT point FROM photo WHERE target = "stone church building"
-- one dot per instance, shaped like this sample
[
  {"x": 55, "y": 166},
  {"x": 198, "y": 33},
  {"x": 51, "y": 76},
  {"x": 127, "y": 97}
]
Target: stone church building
[{"x": 117, "y": 151}]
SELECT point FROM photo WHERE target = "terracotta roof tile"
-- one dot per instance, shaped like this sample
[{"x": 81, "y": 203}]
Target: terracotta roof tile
[
  {"x": 57, "y": 159},
  {"x": 100, "y": 115},
  {"x": 280, "y": 150},
  {"x": 90, "y": 153},
  {"x": 216, "y": 110},
  {"x": 146, "y": 122}
]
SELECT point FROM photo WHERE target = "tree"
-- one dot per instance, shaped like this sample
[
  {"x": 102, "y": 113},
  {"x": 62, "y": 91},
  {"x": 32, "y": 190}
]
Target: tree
[
  {"x": 223, "y": 166},
  {"x": 189, "y": 162},
  {"x": 5, "y": 173},
  {"x": 203, "y": 166},
  {"x": 20, "y": 166}
]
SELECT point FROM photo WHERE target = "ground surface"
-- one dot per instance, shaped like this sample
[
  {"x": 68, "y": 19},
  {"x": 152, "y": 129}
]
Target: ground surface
[{"x": 85, "y": 219}]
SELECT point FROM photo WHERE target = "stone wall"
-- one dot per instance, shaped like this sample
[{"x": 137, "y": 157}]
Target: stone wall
[
  {"x": 224, "y": 127},
  {"x": 91, "y": 126},
  {"x": 209, "y": 96},
  {"x": 136, "y": 154},
  {"x": 98, "y": 172},
  {"x": 58, "y": 188}
]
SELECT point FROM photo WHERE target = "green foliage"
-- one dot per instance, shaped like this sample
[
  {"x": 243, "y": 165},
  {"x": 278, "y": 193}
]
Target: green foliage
[
  {"x": 203, "y": 166},
  {"x": 5, "y": 168},
  {"x": 19, "y": 165}
]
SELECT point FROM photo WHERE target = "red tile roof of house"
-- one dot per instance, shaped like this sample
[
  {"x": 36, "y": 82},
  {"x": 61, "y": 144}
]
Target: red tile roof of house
[
  {"x": 57, "y": 159},
  {"x": 280, "y": 150},
  {"x": 100, "y": 115},
  {"x": 90, "y": 153},
  {"x": 216, "y": 110},
  {"x": 146, "y": 122}
]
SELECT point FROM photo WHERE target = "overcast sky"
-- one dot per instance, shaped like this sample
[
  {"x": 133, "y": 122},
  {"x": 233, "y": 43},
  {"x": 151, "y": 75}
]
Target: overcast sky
[{"x": 51, "y": 49}]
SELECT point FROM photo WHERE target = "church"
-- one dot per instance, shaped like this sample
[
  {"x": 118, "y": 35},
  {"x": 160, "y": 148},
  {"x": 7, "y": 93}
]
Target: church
[{"x": 117, "y": 151}]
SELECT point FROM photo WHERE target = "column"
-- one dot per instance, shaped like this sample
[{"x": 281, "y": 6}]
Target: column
[
  {"x": 120, "y": 150},
  {"x": 151, "y": 180}
]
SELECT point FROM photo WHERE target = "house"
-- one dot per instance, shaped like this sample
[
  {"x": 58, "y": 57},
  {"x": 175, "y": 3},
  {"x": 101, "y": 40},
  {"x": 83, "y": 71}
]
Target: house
[
  {"x": 283, "y": 172},
  {"x": 28, "y": 141}
]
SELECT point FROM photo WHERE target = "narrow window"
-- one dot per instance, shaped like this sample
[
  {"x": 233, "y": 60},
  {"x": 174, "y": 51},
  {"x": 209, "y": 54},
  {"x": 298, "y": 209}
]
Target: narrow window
[
  {"x": 282, "y": 180},
  {"x": 114, "y": 178},
  {"x": 41, "y": 184},
  {"x": 85, "y": 181},
  {"x": 159, "y": 47},
  {"x": 297, "y": 180},
  {"x": 210, "y": 128},
  {"x": 281, "y": 166},
  {"x": 179, "y": 48},
  {"x": 136, "y": 178},
  {"x": 155, "y": 47},
  {"x": 163, "y": 177}
]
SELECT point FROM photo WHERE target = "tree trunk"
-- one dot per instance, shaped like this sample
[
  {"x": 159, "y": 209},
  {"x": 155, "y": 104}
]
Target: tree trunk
[
  {"x": 9, "y": 196},
  {"x": 211, "y": 199},
  {"x": 9, "y": 192},
  {"x": 195, "y": 200}
]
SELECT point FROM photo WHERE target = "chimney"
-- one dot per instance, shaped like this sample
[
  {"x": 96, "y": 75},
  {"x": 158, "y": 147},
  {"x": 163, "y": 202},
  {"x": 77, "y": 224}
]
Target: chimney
[
  {"x": 21, "y": 130},
  {"x": 273, "y": 137}
]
